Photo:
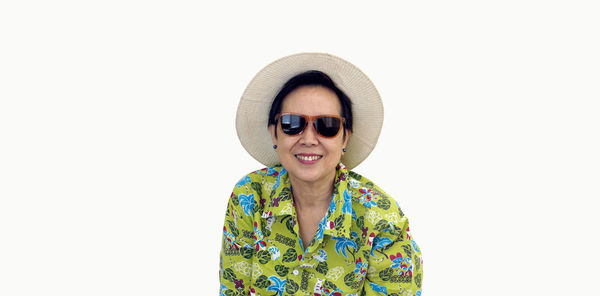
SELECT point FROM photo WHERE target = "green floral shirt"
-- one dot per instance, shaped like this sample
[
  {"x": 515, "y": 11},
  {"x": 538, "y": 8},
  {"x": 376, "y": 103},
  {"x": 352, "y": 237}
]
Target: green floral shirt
[{"x": 362, "y": 247}]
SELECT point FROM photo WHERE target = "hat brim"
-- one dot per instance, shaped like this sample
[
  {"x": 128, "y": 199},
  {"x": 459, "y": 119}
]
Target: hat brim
[{"x": 253, "y": 109}]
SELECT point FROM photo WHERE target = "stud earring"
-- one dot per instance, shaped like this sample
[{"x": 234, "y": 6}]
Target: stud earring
[
  {"x": 274, "y": 146},
  {"x": 344, "y": 149}
]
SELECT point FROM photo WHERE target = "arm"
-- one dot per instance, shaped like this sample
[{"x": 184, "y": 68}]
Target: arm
[
  {"x": 237, "y": 249},
  {"x": 397, "y": 263}
]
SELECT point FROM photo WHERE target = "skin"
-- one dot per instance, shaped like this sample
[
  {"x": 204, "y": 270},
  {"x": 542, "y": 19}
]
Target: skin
[{"x": 312, "y": 184}]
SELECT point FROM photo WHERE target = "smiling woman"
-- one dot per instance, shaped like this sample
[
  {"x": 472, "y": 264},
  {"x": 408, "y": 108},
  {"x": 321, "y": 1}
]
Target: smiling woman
[{"x": 306, "y": 224}]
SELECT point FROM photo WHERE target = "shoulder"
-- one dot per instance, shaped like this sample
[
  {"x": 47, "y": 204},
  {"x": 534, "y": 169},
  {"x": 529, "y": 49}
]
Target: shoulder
[
  {"x": 378, "y": 210},
  {"x": 259, "y": 178},
  {"x": 252, "y": 189}
]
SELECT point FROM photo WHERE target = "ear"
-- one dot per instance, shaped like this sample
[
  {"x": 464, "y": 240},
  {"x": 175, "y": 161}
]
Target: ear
[
  {"x": 272, "y": 132},
  {"x": 346, "y": 137}
]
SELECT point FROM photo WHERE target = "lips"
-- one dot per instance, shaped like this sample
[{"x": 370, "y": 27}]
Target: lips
[{"x": 308, "y": 158}]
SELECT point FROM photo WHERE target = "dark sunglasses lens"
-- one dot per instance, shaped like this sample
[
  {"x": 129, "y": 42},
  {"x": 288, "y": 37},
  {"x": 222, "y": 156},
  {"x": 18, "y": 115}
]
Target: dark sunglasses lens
[
  {"x": 328, "y": 126},
  {"x": 292, "y": 124}
]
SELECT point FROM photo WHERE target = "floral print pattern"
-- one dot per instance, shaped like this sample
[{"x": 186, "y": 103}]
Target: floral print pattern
[{"x": 362, "y": 245}]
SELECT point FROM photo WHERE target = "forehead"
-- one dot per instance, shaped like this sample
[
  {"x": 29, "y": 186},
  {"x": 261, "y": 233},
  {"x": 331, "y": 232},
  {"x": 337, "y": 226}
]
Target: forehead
[{"x": 312, "y": 100}]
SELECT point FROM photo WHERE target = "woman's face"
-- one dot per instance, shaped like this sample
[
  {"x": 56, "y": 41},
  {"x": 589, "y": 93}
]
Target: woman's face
[{"x": 309, "y": 157}]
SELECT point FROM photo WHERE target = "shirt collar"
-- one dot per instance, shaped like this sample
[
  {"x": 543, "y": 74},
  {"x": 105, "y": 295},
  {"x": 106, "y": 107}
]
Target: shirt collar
[{"x": 279, "y": 201}]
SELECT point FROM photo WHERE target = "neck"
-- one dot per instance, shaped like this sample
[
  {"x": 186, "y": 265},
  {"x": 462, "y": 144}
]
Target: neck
[{"x": 313, "y": 194}]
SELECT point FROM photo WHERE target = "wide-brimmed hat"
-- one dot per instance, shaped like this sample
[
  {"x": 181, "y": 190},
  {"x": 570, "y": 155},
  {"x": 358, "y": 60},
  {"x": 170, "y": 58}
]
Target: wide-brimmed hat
[{"x": 253, "y": 110}]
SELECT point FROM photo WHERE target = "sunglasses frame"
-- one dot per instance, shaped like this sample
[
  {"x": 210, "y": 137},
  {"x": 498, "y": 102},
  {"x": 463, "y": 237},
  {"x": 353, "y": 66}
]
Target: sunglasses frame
[{"x": 311, "y": 119}]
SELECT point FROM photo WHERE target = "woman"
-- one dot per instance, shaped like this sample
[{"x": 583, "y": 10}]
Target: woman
[{"x": 306, "y": 224}]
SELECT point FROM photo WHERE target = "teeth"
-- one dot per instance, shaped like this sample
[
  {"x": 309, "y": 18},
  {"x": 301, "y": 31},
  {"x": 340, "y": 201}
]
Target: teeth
[{"x": 308, "y": 158}]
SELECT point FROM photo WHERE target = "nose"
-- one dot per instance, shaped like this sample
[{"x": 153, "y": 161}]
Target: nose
[{"x": 309, "y": 136}]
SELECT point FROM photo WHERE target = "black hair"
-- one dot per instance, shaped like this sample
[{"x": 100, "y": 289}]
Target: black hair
[{"x": 312, "y": 77}]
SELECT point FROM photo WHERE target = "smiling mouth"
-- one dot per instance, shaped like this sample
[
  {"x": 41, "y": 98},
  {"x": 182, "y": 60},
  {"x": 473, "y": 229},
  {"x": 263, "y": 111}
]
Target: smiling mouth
[{"x": 308, "y": 157}]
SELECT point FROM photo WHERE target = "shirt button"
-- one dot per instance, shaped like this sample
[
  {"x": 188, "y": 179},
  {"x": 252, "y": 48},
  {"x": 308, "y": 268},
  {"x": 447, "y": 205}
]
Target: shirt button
[{"x": 295, "y": 272}]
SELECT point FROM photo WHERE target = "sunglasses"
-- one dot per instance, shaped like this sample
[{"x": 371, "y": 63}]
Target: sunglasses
[{"x": 327, "y": 126}]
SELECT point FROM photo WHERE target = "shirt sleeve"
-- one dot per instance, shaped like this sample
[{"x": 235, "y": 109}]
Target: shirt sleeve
[
  {"x": 395, "y": 264},
  {"x": 235, "y": 273}
]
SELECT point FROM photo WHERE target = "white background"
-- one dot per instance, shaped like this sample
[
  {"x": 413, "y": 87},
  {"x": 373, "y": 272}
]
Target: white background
[{"x": 118, "y": 149}]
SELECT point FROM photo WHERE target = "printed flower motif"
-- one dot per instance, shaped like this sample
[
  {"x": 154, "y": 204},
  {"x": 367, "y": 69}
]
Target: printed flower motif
[
  {"x": 320, "y": 255},
  {"x": 243, "y": 267},
  {"x": 277, "y": 285},
  {"x": 336, "y": 292},
  {"x": 230, "y": 240},
  {"x": 247, "y": 203},
  {"x": 239, "y": 284},
  {"x": 259, "y": 238},
  {"x": 393, "y": 217},
  {"x": 287, "y": 209},
  {"x": 373, "y": 216},
  {"x": 275, "y": 253},
  {"x": 364, "y": 231},
  {"x": 403, "y": 265},
  {"x": 335, "y": 273},
  {"x": 367, "y": 198},
  {"x": 256, "y": 270},
  {"x": 360, "y": 269}
]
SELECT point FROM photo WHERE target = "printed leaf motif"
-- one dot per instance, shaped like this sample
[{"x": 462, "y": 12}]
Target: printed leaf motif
[
  {"x": 360, "y": 222},
  {"x": 257, "y": 187},
  {"x": 263, "y": 227},
  {"x": 407, "y": 250},
  {"x": 263, "y": 256},
  {"x": 290, "y": 255},
  {"x": 329, "y": 285},
  {"x": 395, "y": 231},
  {"x": 247, "y": 252},
  {"x": 386, "y": 274},
  {"x": 322, "y": 267},
  {"x": 381, "y": 225},
  {"x": 290, "y": 225},
  {"x": 235, "y": 200},
  {"x": 262, "y": 282},
  {"x": 229, "y": 275},
  {"x": 291, "y": 287},
  {"x": 384, "y": 203},
  {"x": 281, "y": 270},
  {"x": 285, "y": 194},
  {"x": 339, "y": 222},
  {"x": 349, "y": 279},
  {"x": 355, "y": 175},
  {"x": 400, "y": 212},
  {"x": 417, "y": 262},
  {"x": 418, "y": 280},
  {"x": 230, "y": 293},
  {"x": 232, "y": 228}
]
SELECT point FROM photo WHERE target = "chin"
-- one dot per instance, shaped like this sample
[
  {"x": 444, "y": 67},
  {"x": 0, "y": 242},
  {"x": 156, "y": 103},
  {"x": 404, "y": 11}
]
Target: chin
[{"x": 310, "y": 174}]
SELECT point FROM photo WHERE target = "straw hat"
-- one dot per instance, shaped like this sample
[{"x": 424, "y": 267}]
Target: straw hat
[{"x": 253, "y": 110}]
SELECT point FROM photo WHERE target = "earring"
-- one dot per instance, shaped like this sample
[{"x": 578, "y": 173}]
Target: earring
[
  {"x": 274, "y": 146},
  {"x": 344, "y": 149}
]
